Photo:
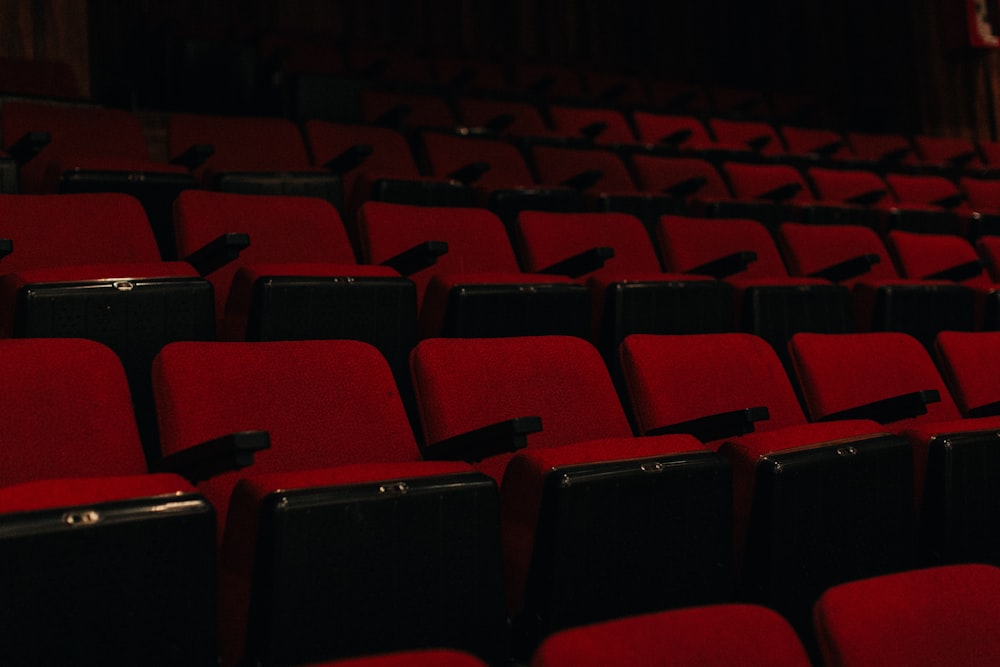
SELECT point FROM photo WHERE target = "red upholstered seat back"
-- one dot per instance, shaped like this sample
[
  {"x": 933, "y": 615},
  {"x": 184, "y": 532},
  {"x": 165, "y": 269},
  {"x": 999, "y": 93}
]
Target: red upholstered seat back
[
  {"x": 653, "y": 128},
  {"x": 423, "y": 110},
  {"x": 922, "y": 255},
  {"x": 547, "y": 238},
  {"x": 844, "y": 184},
  {"x": 447, "y": 153},
  {"x": 920, "y": 189},
  {"x": 811, "y": 248},
  {"x": 672, "y": 379},
  {"x": 241, "y": 143},
  {"x": 570, "y": 121},
  {"x": 753, "y": 636},
  {"x": 67, "y": 412},
  {"x": 970, "y": 364},
  {"x": 655, "y": 174},
  {"x": 477, "y": 241},
  {"x": 944, "y": 150},
  {"x": 742, "y": 132},
  {"x": 390, "y": 158},
  {"x": 841, "y": 371},
  {"x": 63, "y": 230},
  {"x": 935, "y": 616},
  {"x": 988, "y": 248},
  {"x": 809, "y": 140},
  {"x": 751, "y": 181},
  {"x": 879, "y": 145},
  {"x": 556, "y": 164},
  {"x": 982, "y": 194},
  {"x": 325, "y": 403},
  {"x": 80, "y": 131},
  {"x": 281, "y": 228},
  {"x": 686, "y": 243},
  {"x": 527, "y": 120},
  {"x": 465, "y": 384}
]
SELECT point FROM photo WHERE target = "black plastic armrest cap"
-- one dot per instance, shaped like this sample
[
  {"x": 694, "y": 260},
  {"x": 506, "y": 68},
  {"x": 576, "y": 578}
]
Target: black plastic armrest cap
[
  {"x": 581, "y": 263},
  {"x": 217, "y": 253},
  {"x": 849, "y": 268},
  {"x": 417, "y": 258},
  {"x": 499, "y": 438},
  {"x": 194, "y": 156},
  {"x": 726, "y": 266}
]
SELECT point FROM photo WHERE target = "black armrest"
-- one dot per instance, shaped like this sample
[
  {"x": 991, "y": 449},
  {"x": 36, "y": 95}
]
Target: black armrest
[
  {"x": 500, "y": 123},
  {"x": 988, "y": 410},
  {"x": 759, "y": 143},
  {"x": 417, "y": 258},
  {"x": 781, "y": 193},
  {"x": 675, "y": 138},
  {"x": 29, "y": 145},
  {"x": 593, "y": 130},
  {"x": 216, "y": 254},
  {"x": 6, "y": 247},
  {"x": 194, "y": 156},
  {"x": 716, "y": 427},
  {"x": 687, "y": 187},
  {"x": 963, "y": 159},
  {"x": 868, "y": 198},
  {"x": 726, "y": 266},
  {"x": 828, "y": 150},
  {"x": 350, "y": 159},
  {"x": 581, "y": 263},
  {"x": 507, "y": 436},
  {"x": 470, "y": 173},
  {"x": 949, "y": 202},
  {"x": 890, "y": 410},
  {"x": 208, "y": 459},
  {"x": 958, "y": 273},
  {"x": 896, "y": 155},
  {"x": 393, "y": 117},
  {"x": 584, "y": 180},
  {"x": 849, "y": 268}
]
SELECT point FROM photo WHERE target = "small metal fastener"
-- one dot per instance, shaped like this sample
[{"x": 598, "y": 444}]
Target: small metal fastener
[
  {"x": 655, "y": 466},
  {"x": 124, "y": 285},
  {"x": 86, "y": 518},
  {"x": 398, "y": 487},
  {"x": 846, "y": 451}
]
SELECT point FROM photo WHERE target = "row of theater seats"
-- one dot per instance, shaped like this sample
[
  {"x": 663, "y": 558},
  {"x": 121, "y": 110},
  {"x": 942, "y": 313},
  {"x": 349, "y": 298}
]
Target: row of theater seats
[
  {"x": 530, "y": 499},
  {"x": 59, "y": 148}
]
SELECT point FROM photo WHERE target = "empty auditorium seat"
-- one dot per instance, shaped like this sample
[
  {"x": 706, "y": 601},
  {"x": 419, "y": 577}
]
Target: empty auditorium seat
[
  {"x": 498, "y": 172},
  {"x": 814, "y": 504},
  {"x": 580, "y": 484},
  {"x": 614, "y": 89},
  {"x": 122, "y": 562},
  {"x": 755, "y": 136},
  {"x": 767, "y": 301},
  {"x": 934, "y": 193},
  {"x": 630, "y": 293},
  {"x": 968, "y": 361},
  {"x": 87, "y": 266},
  {"x": 691, "y": 181},
  {"x": 855, "y": 256},
  {"x": 891, "y": 378},
  {"x": 502, "y": 117},
  {"x": 933, "y": 616},
  {"x": 711, "y": 636},
  {"x": 816, "y": 144},
  {"x": 601, "y": 126},
  {"x": 403, "y": 110},
  {"x": 671, "y": 96},
  {"x": 338, "y": 531},
  {"x": 74, "y": 149},
  {"x": 951, "y": 153},
  {"x": 246, "y": 154},
  {"x": 467, "y": 277},
  {"x": 882, "y": 149}
]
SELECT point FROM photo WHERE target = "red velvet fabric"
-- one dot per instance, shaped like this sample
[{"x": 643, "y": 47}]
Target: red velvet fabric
[
  {"x": 751, "y": 181},
  {"x": 75, "y": 492},
  {"x": 809, "y": 141},
  {"x": 654, "y": 127},
  {"x": 982, "y": 194},
  {"x": 242, "y": 143},
  {"x": 234, "y": 323},
  {"x": 282, "y": 229},
  {"x": 324, "y": 403},
  {"x": 425, "y": 110},
  {"x": 988, "y": 248},
  {"x": 68, "y": 412},
  {"x": 970, "y": 364},
  {"x": 924, "y": 190},
  {"x": 655, "y": 174},
  {"x": 936, "y": 616},
  {"x": 944, "y": 150},
  {"x": 921, "y": 255},
  {"x": 523, "y": 480},
  {"x": 840, "y": 371},
  {"x": 61, "y": 230},
  {"x": 811, "y": 248},
  {"x": 546, "y": 238},
  {"x": 742, "y": 132},
  {"x": 876, "y": 146},
  {"x": 464, "y": 384},
  {"x": 527, "y": 120},
  {"x": 710, "y": 636},
  {"x": 447, "y": 153},
  {"x": 569, "y": 121},
  {"x": 555, "y": 164},
  {"x": 686, "y": 243},
  {"x": 82, "y": 131},
  {"x": 672, "y": 379},
  {"x": 845, "y": 184}
]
